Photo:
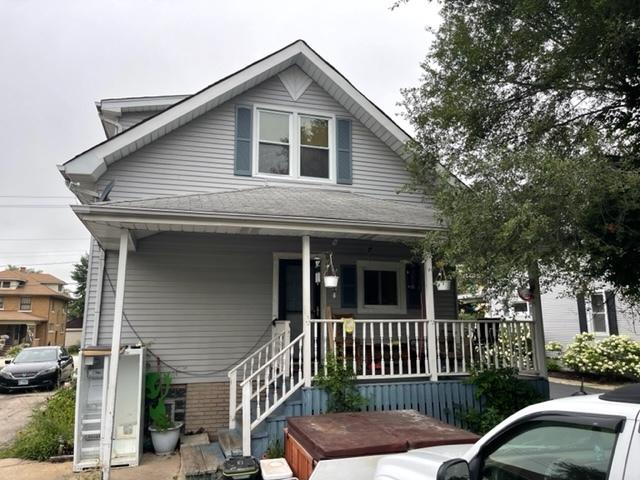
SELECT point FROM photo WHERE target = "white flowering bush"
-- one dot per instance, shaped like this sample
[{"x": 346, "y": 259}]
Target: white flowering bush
[
  {"x": 616, "y": 355},
  {"x": 554, "y": 347}
]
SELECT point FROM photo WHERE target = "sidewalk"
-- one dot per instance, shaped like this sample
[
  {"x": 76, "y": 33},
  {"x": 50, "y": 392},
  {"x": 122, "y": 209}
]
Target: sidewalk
[
  {"x": 152, "y": 467},
  {"x": 562, "y": 387}
]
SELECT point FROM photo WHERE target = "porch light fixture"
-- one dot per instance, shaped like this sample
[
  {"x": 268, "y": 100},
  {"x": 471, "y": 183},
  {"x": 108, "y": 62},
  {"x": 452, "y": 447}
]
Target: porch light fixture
[
  {"x": 330, "y": 277},
  {"x": 526, "y": 294}
]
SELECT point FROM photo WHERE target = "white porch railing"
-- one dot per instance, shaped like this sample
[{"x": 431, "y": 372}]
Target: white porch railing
[
  {"x": 375, "y": 349},
  {"x": 466, "y": 345},
  {"x": 252, "y": 364},
  {"x": 269, "y": 386}
]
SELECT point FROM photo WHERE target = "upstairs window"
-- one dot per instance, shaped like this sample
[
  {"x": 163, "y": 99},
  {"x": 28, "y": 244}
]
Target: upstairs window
[
  {"x": 25, "y": 304},
  {"x": 273, "y": 149},
  {"x": 5, "y": 284},
  {"x": 1, "y": 303},
  {"x": 292, "y": 144}
]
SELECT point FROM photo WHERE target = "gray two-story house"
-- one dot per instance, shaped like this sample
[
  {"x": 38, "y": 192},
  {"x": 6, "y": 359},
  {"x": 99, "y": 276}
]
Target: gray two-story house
[{"x": 220, "y": 221}]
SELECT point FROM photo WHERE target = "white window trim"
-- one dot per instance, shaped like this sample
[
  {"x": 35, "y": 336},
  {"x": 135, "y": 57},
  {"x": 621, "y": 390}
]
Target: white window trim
[
  {"x": 20, "y": 304},
  {"x": 399, "y": 268},
  {"x": 589, "y": 309},
  {"x": 294, "y": 143}
]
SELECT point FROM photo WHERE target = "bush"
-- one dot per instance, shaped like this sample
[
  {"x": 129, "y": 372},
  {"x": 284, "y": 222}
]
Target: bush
[
  {"x": 615, "y": 356},
  {"x": 16, "y": 349},
  {"x": 50, "y": 430},
  {"x": 553, "y": 347},
  {"x": 502, "y": 394},
  {"x": 74, "y": 349},
  {"x": 339, "y": 382}
]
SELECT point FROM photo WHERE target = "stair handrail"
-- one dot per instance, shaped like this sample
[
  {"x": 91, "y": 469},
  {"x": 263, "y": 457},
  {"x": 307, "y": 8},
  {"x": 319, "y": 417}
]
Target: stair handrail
[
  {"x": 280, "y": 366},
  {"x": 278, "y": 338}
]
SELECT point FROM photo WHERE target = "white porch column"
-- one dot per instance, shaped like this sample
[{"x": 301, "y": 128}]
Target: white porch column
[
  {"x": 430, "y": 311},
  {"x": 306, "y": 309},
  {"x": 107, "y": 432},
  {"x": 538, "y": 325}
]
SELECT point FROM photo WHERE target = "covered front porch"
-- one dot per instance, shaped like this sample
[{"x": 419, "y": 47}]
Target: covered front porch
[{"x": 244, "y": 301}]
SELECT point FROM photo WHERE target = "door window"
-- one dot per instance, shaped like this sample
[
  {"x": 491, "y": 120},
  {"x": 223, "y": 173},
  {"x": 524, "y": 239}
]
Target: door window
[{"x": 552, "y": 450}]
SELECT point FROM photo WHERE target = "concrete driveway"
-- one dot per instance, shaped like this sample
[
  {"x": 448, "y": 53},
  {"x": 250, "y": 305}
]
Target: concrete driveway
[{"x": 15, "y": 411}]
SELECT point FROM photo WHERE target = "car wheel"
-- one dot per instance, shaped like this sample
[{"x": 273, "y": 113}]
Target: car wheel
[{"x": 56, "y": 384}]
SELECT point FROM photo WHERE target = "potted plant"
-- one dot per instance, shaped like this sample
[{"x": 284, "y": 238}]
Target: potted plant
[
  {"x": 164, "y": 432},
  {"x": 443, "y": 283}
]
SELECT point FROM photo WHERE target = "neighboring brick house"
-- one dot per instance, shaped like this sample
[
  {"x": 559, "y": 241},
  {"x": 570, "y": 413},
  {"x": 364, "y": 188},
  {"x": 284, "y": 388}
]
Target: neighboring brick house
[{"x": 33, "y": 307}]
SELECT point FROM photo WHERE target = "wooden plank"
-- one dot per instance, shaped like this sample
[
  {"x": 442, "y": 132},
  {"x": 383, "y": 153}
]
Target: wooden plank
[{"x": 192, "y": 461}]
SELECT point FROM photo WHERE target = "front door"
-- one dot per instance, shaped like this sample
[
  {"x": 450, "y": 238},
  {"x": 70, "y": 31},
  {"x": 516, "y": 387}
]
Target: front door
[{"x": 290, "y": 294}]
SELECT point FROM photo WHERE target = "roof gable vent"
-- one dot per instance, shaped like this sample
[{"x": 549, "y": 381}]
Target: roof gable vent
[{"x": 295, "y": 81}]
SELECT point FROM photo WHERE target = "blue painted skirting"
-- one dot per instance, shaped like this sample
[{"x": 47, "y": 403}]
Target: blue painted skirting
[{"x": 445, "y": 400}]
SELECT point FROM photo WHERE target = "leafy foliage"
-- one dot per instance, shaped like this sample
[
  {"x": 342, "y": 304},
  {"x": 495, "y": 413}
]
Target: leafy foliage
[
  {"x": 614, "y": 356},
  {"x": 339, "y": 381},
  {"x": 16, "y": 349},
  {"x": 157, "y": 386},
  {"x": 274, "y": 450},
  {"x": 15, "y": 268},
  {"x": 50, "y": 430},
  {"x": 537, "y": 106},
  {"x": 79, "y": 275},
  {"x": 502, "y": 394},
  {"x": 74, "y": 349}
]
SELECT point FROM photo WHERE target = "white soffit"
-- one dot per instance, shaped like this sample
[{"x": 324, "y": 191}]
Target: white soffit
[{"x": 295, "y": 81}]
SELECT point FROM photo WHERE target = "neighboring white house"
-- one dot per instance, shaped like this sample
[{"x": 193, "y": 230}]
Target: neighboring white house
[{"x": 216, "y": 218}]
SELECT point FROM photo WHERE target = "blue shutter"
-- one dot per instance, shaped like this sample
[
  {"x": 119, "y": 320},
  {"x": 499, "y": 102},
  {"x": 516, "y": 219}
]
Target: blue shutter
[
  {"x": 242, "y": 163},
  {"x": 348, "y": 286},
  {"x": 343, "y": 134}
]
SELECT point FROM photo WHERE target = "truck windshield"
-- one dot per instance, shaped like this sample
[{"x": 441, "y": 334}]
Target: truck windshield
[
  {"x": 37, "y": 355},
  {"x": 551, "y": 450}
]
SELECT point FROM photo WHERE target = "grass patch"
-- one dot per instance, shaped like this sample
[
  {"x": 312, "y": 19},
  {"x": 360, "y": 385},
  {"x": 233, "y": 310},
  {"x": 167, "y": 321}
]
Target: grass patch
[{"x": 50, "y": 430}]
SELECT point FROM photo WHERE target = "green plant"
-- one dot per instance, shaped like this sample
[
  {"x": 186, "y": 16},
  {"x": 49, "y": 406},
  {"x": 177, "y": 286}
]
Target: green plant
[
  {"x": 554, "y": 347},
  {"x": 553, "y": 365},
  {"x": 274, "y": 450},
  {"x": 74, "y": 349},
  {"x": 157, "y": 387},
  {"x": 50, "y": 430},
  {"x": 615, "y": 356},
  {"x": 16, "y": 349},
  {"x": 339, "y": 381},
  {"x": 501, "y": 393}
]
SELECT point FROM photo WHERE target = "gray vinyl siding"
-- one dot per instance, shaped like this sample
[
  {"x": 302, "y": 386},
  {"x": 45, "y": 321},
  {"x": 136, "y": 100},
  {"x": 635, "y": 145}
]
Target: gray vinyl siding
[
  {"x": 129, "y": 119},
  {"x": 198, "y": 157},
  {"x": 90, "y": 315},
  {"x": 561, "y": 323},
  {"x": 201, "y": 302}
]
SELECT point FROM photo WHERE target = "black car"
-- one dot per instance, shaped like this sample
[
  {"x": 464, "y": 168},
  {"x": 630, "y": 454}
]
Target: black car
[{"x": 37, "y": 367}]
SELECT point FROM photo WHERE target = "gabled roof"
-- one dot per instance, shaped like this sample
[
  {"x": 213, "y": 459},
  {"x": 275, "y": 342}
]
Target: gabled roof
[
  {"x": 37, "y": 277},
  {"x": 34, "y": 284},
  {"x": 91, "y": 164}
]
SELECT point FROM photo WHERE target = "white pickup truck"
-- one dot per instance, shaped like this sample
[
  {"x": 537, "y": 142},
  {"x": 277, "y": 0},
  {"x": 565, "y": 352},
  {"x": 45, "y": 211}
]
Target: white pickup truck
[{"x": 577, "y": 438}]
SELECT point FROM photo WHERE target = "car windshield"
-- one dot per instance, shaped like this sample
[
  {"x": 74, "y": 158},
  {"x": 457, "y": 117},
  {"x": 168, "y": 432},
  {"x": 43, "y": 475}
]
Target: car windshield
[{"x": 37, "y": 355}]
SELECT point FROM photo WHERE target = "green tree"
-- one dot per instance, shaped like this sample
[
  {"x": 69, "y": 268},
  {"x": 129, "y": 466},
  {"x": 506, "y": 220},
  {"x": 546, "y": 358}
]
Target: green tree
[
  {"x": 536, "y": 105},
  {"x": 16, "y": 268},
  {"x": 79, "y": 275}
]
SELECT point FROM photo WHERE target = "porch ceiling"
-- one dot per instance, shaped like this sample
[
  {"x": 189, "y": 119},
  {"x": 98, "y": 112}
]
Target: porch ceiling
[{"x": 262, "y": 211}]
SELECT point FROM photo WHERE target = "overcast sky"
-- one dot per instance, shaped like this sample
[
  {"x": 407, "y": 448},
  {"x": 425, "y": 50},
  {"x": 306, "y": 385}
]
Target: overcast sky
[{"x": 58, "y": 57}]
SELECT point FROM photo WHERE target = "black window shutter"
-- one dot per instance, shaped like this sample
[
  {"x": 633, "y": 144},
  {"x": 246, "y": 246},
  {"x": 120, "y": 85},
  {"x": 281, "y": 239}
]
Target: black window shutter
[
  {"x": 242, "y": 161},
  {"x": 582, "y": 314},
  {"x": 344, "y": 162},
  {"x": 612, "y": 315},
  {"x": 348, "y": 286}
]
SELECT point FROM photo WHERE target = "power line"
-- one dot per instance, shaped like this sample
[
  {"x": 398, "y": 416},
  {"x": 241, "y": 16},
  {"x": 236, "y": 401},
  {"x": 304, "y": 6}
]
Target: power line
[
  {"x": 51, "y": 263},
  {"x": 34, "y": 239},
  {"x": 65, "y": 252},
  {"x": 19, "y": 205},
  {"x": 37, "y": 196}
]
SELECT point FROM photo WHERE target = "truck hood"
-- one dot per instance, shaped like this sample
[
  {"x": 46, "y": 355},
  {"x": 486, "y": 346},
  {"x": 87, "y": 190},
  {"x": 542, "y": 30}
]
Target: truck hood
[{"x": 421, "y": 464}]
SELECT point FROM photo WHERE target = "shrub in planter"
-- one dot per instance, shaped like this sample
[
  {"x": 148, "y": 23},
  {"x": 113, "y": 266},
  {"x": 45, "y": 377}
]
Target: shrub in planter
[
  {"x": 615, "y": 356},
  {"x": 164, "y": 432}
]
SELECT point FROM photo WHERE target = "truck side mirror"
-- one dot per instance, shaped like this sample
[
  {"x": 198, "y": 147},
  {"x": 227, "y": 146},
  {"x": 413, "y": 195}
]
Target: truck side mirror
[{"x": 456, "y": 469}]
